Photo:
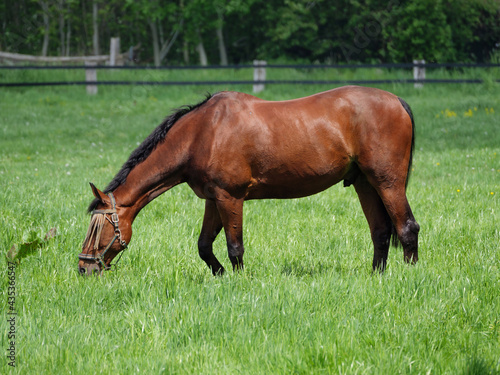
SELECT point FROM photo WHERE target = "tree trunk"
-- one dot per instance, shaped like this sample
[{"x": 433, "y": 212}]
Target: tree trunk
[
  {"x": 201, "y": 51},
  {"x": 185, "y": 52},
  {"x": 185, "y": 46},
  {"x": 220, "y": 38},
  {"x": 222, "y": 47},
  {"x": 167, "y": 44},
  {"x": 203, "y": 55},
  {"x": 62, "y": 37},
  {"x": 95, "y": 26},
  {"x": 68, "y": 36},
  {"x": 46, "y": 28},
  {"x": 156, "y": 42}
]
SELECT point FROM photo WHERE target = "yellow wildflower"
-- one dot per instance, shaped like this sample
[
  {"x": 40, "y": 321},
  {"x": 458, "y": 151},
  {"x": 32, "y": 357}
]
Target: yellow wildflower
[
  {"x": 449, "y": 113},
  {"x": 469, "y": 113}
]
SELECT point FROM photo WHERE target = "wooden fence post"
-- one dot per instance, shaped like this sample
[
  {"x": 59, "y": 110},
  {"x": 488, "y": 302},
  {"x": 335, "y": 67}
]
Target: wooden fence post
[
  {"x": 114, "y": 52},
  {"x": 419, "y": 73},
  {"x": 91, "y": 76},
  {"x": 259, "y": 75}
]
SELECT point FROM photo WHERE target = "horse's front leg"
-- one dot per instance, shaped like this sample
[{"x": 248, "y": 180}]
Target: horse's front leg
[
  {"x": 212, "y": 225},
  {"x": 231, "y": 213}
]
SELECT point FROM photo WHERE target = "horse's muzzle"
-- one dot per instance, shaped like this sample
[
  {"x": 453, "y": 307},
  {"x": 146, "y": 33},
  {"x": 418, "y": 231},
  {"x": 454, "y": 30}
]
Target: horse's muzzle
[{"x": 87, "y": 269}]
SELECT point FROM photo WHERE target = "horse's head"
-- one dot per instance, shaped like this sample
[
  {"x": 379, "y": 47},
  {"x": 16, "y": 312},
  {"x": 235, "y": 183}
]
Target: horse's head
[{"x": 108, "y": 234}]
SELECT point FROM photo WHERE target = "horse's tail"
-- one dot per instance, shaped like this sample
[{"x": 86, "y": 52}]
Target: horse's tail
[
  {"x": 395, "y": 239},
  {"x": 410, "y": 113}
]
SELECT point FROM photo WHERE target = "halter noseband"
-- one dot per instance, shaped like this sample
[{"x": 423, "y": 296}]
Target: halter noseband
[{"x": 118, "y": 235}]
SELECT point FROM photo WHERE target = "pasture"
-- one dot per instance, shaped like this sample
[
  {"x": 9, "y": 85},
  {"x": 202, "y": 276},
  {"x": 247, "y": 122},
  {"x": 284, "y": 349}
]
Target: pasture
[{"x": 307, "y": 301}]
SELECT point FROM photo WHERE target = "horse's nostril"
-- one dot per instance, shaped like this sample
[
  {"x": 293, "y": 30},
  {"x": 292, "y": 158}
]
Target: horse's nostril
[{"x": 82, "y": 270}]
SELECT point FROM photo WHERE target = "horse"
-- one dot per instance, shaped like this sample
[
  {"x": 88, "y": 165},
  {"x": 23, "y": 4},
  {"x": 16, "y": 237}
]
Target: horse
[{"x": 233, "y": 147}]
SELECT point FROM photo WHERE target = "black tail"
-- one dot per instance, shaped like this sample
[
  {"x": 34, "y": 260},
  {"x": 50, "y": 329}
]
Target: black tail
[
  {"x": 410, "y": 113},
  {"x": 395, "y": 239}
]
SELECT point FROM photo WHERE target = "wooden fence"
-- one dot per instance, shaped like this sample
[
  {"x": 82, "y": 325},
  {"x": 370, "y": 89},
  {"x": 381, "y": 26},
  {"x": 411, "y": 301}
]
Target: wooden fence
[{"x": 94, "y": 63}]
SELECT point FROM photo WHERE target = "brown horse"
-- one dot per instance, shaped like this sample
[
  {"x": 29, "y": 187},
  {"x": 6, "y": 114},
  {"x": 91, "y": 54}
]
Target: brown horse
[{"x": 232, "y": 147}]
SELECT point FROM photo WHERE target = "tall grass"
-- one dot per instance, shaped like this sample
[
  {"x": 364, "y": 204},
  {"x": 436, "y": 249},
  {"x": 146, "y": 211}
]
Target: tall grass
[{"x": 307, "y": 301}]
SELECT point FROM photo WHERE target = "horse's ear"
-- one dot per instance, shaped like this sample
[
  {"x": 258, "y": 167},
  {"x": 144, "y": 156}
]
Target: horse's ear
[{"x": 97, "y": 193}]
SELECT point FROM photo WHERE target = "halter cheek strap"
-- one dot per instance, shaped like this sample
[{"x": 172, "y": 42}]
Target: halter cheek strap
[{"x": 95, "y": 228}]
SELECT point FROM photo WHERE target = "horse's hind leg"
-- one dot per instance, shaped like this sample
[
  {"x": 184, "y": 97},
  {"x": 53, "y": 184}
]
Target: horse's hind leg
[
  {"x": 392, "y": 191},
  {"x": 378, "y": 220},
  {"x": 212, "y": 225},
  {"x": 231, "y": 213},
  {"x": 401, "y": 215}
]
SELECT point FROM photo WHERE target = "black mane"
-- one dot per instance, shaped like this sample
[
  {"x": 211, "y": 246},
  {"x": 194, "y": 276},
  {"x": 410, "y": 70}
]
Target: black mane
[{"x": 147, "y": 146}]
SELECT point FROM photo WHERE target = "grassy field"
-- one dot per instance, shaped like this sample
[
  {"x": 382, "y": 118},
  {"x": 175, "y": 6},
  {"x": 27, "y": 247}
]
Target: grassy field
[
  {"x": 488, "y": 75},
  {"x": 307, "y": 302}
]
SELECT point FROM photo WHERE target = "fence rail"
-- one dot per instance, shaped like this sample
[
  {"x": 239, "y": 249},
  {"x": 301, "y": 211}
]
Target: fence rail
[
  {"x": 267, "y": 82},
  {"x": 259, "y": 81}
]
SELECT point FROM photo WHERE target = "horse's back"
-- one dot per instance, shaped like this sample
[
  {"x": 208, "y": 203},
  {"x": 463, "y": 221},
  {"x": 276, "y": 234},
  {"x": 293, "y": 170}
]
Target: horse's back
[
  {"x": 346, "y": 120},
  {"x": 293, "y": 148},
  {"x": 351, "y": 107}
]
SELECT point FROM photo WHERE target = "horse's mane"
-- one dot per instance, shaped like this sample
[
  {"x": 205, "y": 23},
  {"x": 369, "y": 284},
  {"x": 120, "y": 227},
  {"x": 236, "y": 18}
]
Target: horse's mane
[{"x": 147, "y": 146}]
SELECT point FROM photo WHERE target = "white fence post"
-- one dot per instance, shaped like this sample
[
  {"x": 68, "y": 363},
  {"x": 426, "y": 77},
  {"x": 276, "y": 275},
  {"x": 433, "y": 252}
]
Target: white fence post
[
  {"x": 259, "y": 75},
  {"x": 419, "y": 73},
  {"x": 114, "y": 52},
  {"x": 91, "y": 76}
]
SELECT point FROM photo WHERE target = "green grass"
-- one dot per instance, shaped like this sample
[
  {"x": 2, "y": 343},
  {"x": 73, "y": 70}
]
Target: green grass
[
  {"x": 307, "y": 301},
  {"x": 489, "y": 75}
]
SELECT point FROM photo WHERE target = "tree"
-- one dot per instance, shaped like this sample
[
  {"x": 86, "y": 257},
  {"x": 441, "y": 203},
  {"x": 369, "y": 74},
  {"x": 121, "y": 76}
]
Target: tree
[
  {"x": 200, "y": 15},
  {"x": 475, "y": 28},
  {"x": 234, "y": 31},
  {"x": 46, "y": 26},
  {"x": 219, "y": 8},
  {"x": 95, "y": 27},
  {"x": 419, "y": 30},
  {"x": 158, "y": 13}
]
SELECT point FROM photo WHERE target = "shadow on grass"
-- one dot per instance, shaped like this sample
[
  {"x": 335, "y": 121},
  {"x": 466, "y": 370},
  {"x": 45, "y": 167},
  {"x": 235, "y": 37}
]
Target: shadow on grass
[
  {"x": 478, "y": 366},
  {"x": 304, "y": 269}
]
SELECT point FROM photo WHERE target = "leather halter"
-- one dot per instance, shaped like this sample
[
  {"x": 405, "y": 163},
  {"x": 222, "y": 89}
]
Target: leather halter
[{"x": 118, "y": 235}]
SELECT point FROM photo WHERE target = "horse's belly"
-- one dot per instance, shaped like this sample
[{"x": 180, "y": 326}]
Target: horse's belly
[{"x": 285, "y": 188}]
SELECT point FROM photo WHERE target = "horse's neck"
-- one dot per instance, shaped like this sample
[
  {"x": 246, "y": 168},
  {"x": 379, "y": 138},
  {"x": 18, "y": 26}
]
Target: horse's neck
[{"x": 159, "y": 172}]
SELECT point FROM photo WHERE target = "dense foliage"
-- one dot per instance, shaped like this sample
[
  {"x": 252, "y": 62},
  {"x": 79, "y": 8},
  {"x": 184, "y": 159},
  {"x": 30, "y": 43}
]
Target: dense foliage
[{"x": 234, "y": 31}]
